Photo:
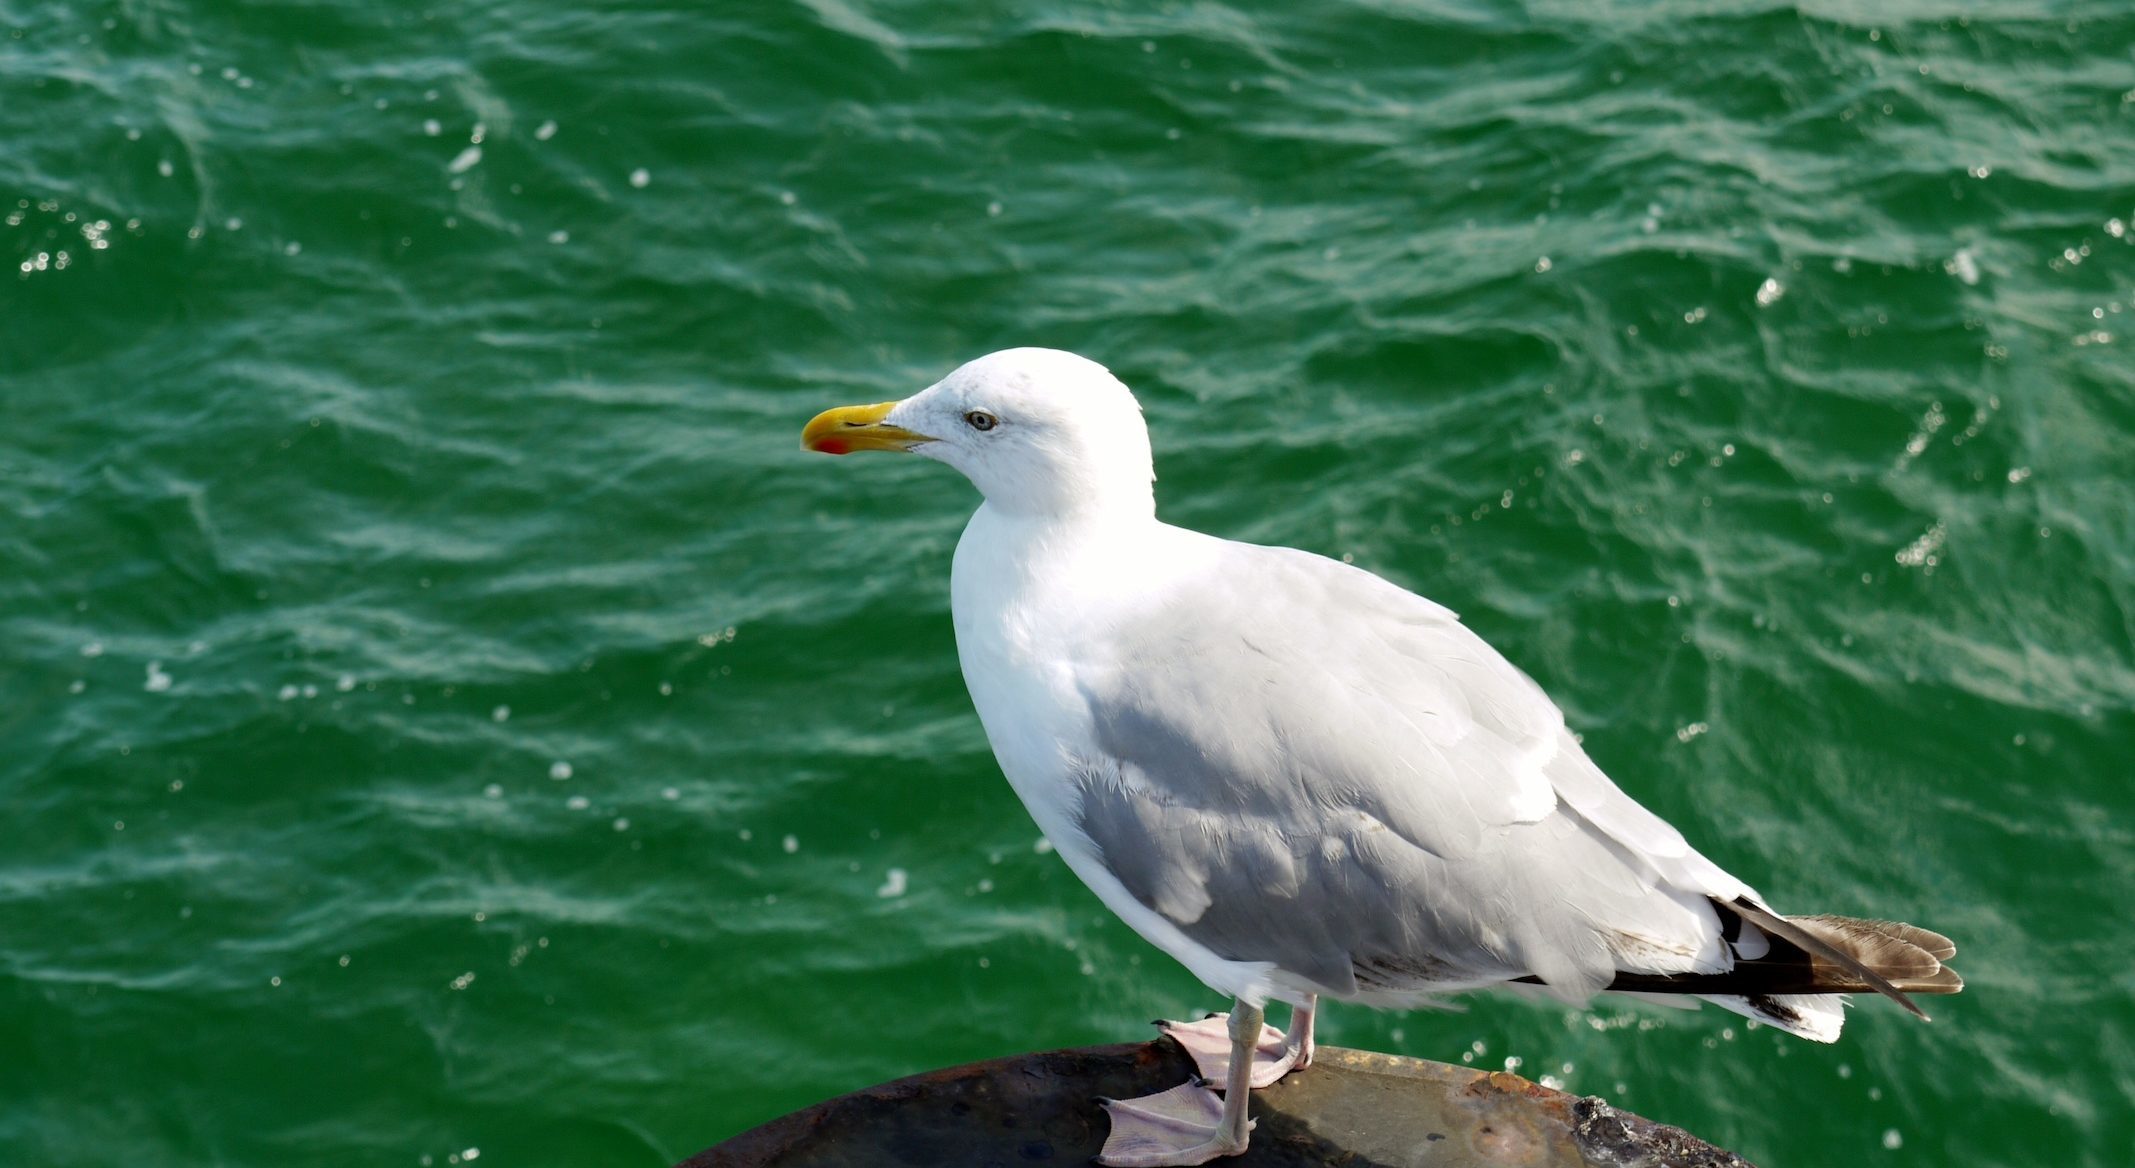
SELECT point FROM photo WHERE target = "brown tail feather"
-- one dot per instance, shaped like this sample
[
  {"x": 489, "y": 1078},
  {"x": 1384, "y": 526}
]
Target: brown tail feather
[
  {"x": 1875, "y": 945},
  {"x": 1817, "y": 942},
  {"x": 1936, "y": 945},
  {"x": 1821, "y": 954}
]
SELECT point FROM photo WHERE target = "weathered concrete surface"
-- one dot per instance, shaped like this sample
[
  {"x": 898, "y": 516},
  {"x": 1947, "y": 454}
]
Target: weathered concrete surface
[{"x": 1352, "y": 1108}]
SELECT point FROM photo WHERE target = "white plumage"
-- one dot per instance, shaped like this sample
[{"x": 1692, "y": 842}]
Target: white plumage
[{"x": 1293, "y": 776}]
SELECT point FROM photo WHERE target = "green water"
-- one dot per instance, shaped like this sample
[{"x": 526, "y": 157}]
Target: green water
[{"x": 1757, "y": 377}]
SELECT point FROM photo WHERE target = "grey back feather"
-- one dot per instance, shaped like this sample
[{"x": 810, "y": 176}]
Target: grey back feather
[{"x": 1303, "y": 764}]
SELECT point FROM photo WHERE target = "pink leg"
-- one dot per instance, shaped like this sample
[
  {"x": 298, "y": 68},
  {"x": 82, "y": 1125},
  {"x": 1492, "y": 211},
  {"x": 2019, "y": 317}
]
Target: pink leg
[
  {"x": 1301, "y": 1032},
  {"x": 1275, "y": 1055},
  {"x": 1188, "y": 1124}
]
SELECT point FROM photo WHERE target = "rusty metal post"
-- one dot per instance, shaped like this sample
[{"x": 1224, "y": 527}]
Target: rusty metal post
[{"x": 1351, "y": 1108}]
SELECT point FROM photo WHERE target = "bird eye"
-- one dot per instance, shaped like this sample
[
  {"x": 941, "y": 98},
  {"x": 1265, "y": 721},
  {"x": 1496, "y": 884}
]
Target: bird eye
[{"x": 981, "y": 420}]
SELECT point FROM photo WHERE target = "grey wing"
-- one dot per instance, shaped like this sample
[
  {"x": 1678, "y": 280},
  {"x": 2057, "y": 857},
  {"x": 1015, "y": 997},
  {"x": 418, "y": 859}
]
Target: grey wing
[{"x": 1298, "y": 762}]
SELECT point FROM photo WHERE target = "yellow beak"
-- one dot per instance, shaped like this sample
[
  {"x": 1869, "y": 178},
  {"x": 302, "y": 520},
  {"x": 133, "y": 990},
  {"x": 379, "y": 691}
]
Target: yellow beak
[{"x": 849, "y": 428}]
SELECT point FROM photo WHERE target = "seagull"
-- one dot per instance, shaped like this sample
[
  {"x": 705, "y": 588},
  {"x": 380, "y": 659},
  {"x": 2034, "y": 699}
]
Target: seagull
[{"x": 1301, "y": 780}]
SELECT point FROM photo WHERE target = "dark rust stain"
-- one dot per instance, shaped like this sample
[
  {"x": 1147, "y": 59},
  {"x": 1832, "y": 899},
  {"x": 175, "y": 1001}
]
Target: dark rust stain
[{"x": 1042, "y": 1109}]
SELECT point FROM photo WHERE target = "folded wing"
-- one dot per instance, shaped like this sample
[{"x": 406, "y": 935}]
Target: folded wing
[{"x": 1301, "y": 763}]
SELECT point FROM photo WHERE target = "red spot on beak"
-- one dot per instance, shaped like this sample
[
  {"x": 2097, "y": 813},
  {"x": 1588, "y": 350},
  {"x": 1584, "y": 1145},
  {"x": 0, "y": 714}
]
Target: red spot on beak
[{"x": 832, "y": 446}]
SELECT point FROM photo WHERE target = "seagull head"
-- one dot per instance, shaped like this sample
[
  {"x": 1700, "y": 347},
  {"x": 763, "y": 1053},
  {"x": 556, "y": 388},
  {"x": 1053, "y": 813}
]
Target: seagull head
[{"x": 1040, "y": 432}]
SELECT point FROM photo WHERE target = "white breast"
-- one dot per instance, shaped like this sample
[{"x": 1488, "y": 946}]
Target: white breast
[{"x": 1031, "y": 604}]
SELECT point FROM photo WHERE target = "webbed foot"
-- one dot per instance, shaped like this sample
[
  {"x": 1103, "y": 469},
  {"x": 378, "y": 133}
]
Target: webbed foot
[{"x": 1184, "y": 1125}]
